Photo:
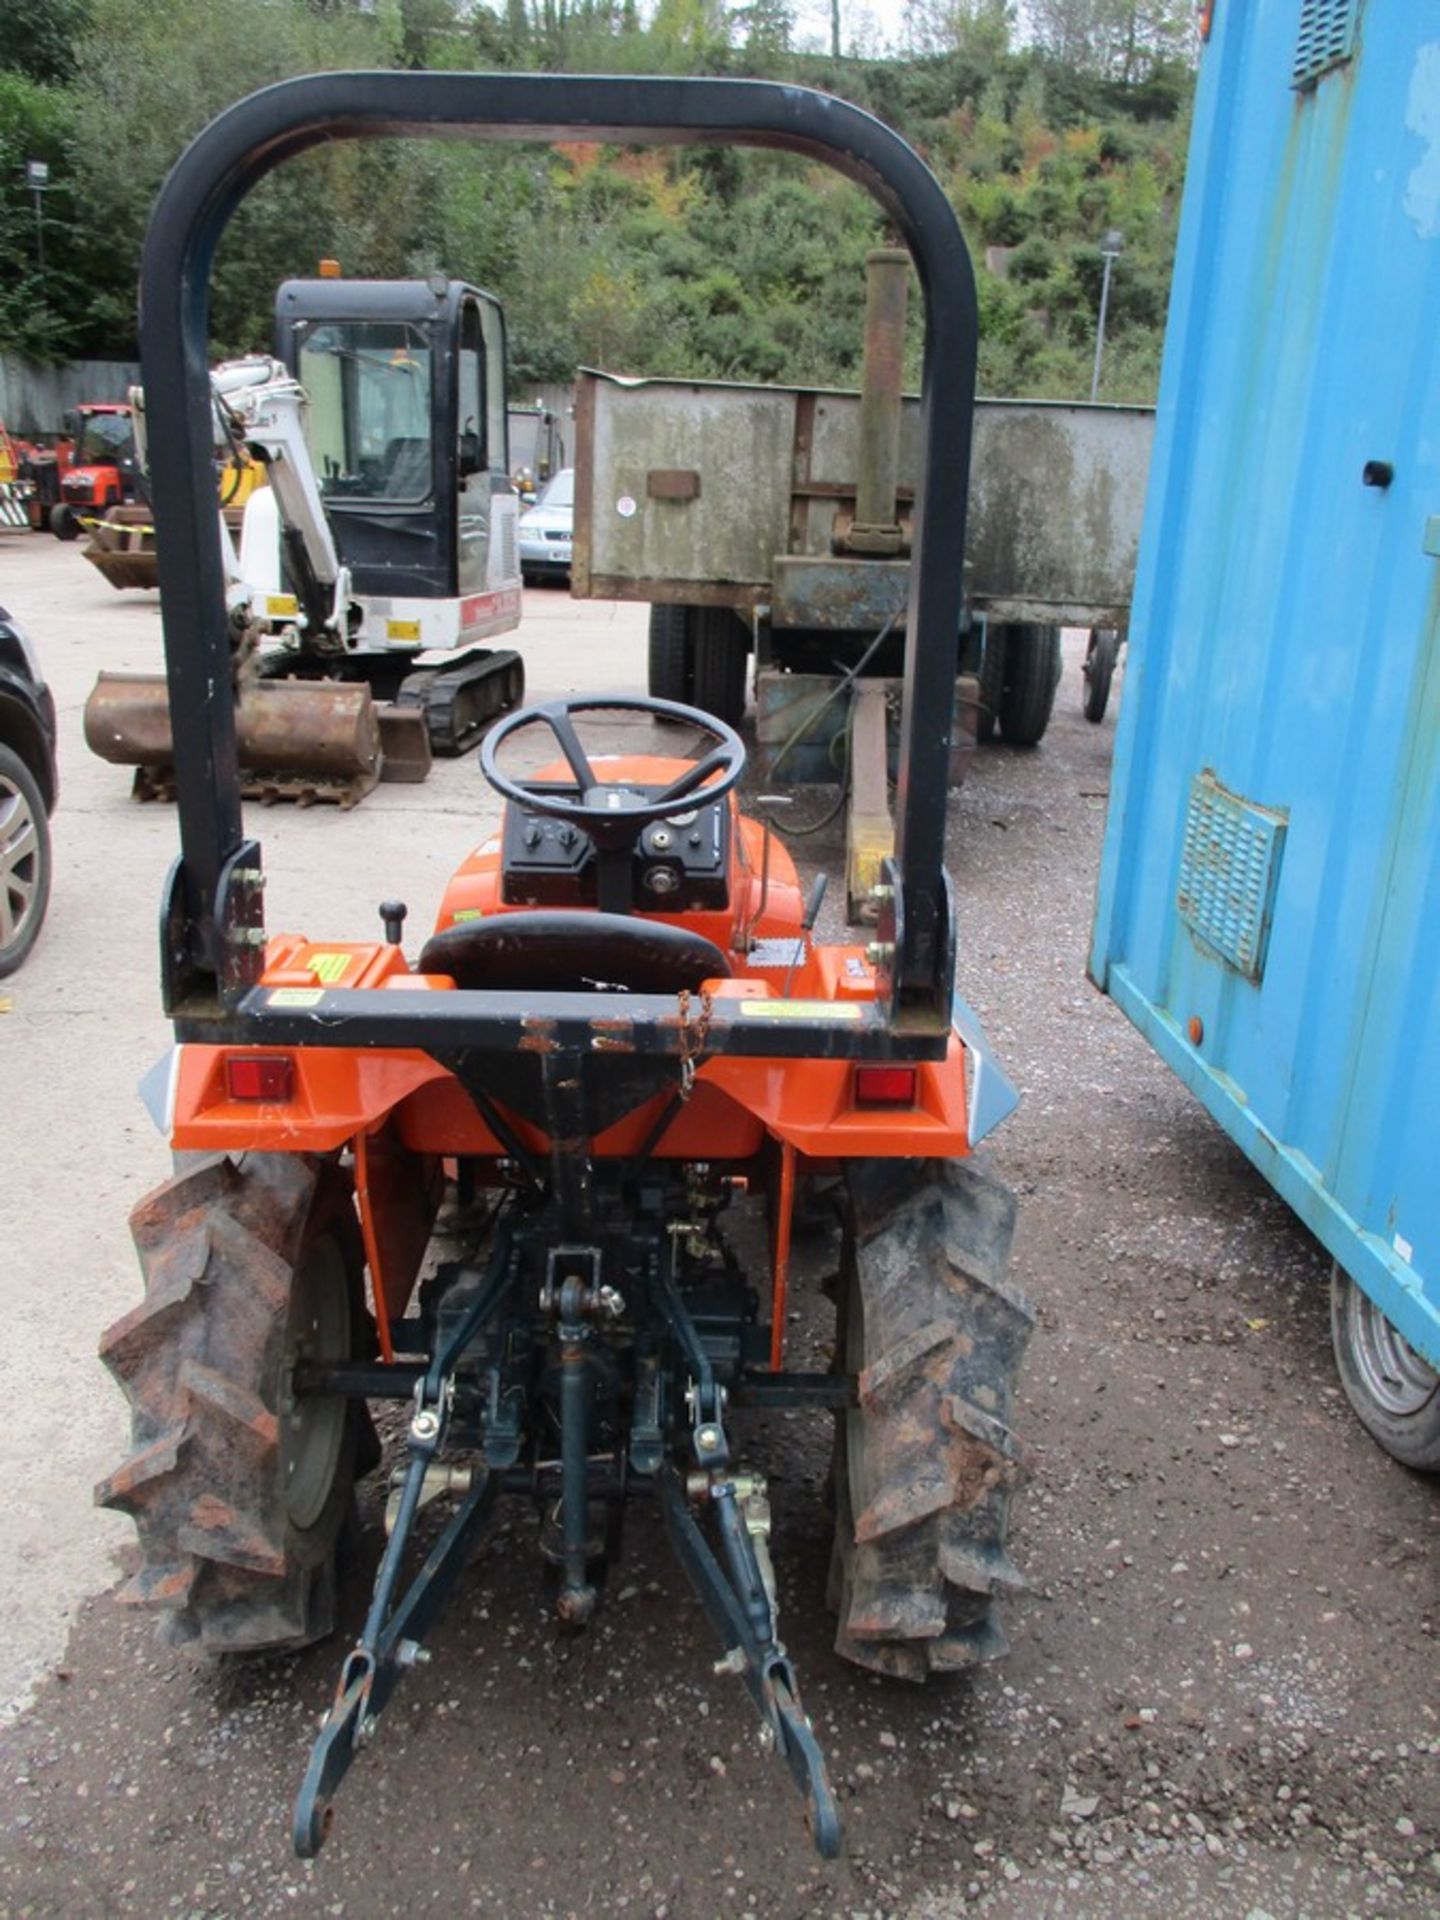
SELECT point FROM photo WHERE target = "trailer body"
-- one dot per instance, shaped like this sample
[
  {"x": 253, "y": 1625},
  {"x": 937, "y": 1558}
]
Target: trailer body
[
  {"x": 1269, "y": 904},
  {"x": 709, "y": 493}
]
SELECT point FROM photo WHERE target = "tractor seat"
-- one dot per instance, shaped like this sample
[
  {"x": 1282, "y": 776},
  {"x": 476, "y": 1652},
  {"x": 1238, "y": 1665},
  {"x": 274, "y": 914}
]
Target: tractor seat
[{"x": 568, "y": 952}]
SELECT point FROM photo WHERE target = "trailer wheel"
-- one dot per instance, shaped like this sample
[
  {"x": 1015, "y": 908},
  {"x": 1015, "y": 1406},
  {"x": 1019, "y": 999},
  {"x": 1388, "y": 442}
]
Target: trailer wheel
[
  {"x": 1032, "y": 673},
  {"x": 672, "y": 663},
  {"x": 239, "y": 1489},
  {"x": 1393, "y": 1391},
  {"x": 722, "y": 655},
  {"x": 926, "y": 1462},
  {"x": 1098, "y": 670},
  {"x": 992, "y": 680}
]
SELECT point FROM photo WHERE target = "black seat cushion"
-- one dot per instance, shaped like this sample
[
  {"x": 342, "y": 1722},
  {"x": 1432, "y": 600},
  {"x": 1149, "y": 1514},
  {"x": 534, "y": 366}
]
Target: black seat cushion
[{"x": 567, "y": 952}]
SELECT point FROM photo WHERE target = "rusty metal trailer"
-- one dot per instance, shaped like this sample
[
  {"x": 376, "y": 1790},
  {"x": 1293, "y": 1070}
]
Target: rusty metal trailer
[
  {"x": 703, "y": 493},
  {"x": 776, "y": 522}
]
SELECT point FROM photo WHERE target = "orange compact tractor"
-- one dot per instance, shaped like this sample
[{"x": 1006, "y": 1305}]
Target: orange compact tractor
[
  {"x": 620, "y": 1037},
  {"x": 103, "y": 471}
]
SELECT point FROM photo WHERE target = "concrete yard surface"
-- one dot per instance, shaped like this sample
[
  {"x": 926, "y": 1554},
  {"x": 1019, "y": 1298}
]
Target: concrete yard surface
[{"x": 1221, "y": 1697}]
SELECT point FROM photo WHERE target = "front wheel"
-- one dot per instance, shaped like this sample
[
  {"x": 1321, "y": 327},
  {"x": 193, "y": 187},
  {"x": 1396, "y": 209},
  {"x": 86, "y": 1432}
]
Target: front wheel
[
  {"x": 1394, "y": 1392},
  {"x": 64, "y": 522},
  {"x": 927, "y": 1460},
  {"x": 239, "y": 1484}
]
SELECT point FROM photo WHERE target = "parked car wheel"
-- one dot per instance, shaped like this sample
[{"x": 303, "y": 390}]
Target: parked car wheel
[
  {"x": 24, "y": 860},
  {"x": 1395, "y": 1393}
]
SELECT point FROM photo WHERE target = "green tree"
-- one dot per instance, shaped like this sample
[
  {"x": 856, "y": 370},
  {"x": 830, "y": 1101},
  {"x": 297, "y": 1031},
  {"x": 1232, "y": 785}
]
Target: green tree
[
  {"x": 37, "y": 38},
  {"x": 974, "y": 29}
]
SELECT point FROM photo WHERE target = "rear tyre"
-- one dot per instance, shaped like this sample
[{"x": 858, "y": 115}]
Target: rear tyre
[
  {"x": 926, "y": 1463},
  {"x": 1393, "y": 1391},
  {"x": 722, "y": 655},
  {"x": 992, "y": 681},
  {"x": 672, "y": 665},
  {"x": 1098, "y": 670},
  {"x": 1032, "y": 673},
  {"x": 24, "y": 860},
  {"x": 240, "y": 1490}
]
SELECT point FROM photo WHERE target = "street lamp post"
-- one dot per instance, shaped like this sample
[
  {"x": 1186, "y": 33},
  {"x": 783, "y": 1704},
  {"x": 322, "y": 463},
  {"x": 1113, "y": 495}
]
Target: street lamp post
[
  {"x": 37, "y": 178},
  {"x": 1112, "y": 245}
]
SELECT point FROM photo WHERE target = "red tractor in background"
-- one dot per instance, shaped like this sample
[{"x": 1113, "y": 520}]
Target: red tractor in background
[{"x": 95, "y": 470}]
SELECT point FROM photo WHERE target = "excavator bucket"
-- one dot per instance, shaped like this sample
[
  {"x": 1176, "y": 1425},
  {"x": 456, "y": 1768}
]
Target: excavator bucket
[
  {"x": 122, "y": 546},
  {"x": 301, "y": 740}
]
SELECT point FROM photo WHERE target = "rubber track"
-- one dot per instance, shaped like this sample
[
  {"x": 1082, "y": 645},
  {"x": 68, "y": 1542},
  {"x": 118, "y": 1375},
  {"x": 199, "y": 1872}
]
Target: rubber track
[
  {"x": 459, "y": 702},
  {"x": 218, "y": 1245},
  {"x": 920, "y": 1537}
]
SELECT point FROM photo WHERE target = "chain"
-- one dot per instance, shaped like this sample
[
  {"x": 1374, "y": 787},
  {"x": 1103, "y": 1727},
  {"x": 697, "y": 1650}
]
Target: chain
[{"x": 692, "y": 1039}]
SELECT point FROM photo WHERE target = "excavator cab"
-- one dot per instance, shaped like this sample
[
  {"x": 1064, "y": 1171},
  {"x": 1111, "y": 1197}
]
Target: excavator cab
[
  {"x": 407, "y": 430},
  {"x": 382, "y": 554}
]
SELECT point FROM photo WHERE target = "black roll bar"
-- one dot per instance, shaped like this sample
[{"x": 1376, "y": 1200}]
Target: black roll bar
[{"x": 224, "y": 162}]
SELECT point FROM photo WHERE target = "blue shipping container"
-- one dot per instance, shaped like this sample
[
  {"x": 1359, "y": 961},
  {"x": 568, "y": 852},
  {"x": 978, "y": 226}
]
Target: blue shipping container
[{"x": 1269, "y": 905}]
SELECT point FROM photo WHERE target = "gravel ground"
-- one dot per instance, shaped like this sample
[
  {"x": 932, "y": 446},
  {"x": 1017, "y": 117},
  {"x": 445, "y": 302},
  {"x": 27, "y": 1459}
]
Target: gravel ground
[{"x": 1221, "y": 1697}]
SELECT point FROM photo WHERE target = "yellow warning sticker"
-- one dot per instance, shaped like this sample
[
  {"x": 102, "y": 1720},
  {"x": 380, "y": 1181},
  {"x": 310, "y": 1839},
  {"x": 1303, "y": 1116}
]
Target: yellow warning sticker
[
  {"x": 281, "y": 606},
  {"x": 799, "y": 1010},
  {"x": 466, "y": 913},
  {"x": 329, "y": 967},
  {"x": 296, "y": 996},
  {"x": 406, "y": 631}
]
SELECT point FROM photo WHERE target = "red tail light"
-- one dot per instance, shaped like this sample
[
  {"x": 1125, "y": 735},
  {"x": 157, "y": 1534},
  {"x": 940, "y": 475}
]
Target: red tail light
[
  {"x": 260, "y": 1076},
  {"x": 885, "y": 1086}
]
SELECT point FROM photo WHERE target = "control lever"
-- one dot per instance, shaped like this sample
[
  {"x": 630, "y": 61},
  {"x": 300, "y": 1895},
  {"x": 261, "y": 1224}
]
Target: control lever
[
  {"x": 393, "y": 913},
  {"x": 814, "y": 900},
  {"x": 764, "y": 800}
]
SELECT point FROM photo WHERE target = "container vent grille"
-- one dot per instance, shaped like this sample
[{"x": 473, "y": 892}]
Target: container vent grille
[
  {"x": 1326, "y": 38},
  {"x": 1229, "y": 864}
]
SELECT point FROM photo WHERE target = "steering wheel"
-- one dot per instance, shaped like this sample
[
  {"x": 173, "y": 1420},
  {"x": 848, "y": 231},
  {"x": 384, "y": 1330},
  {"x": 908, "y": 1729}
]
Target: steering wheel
[{"x": 611, "y": 813}]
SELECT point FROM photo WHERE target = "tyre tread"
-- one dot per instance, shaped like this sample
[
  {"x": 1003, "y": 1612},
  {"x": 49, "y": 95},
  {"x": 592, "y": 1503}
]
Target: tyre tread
[
  {"x": 670, "y": 663},
  {"x": 218, "y": 1246},
  {"x": 919, "y": 1560},
  {"x": 1032, "y": 673},
  {"x": 721, "y": 657}
]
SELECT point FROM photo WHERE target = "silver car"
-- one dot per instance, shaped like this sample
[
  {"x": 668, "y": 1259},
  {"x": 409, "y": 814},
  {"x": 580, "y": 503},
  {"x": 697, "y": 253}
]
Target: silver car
[{"x": 547, "y": 529}]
